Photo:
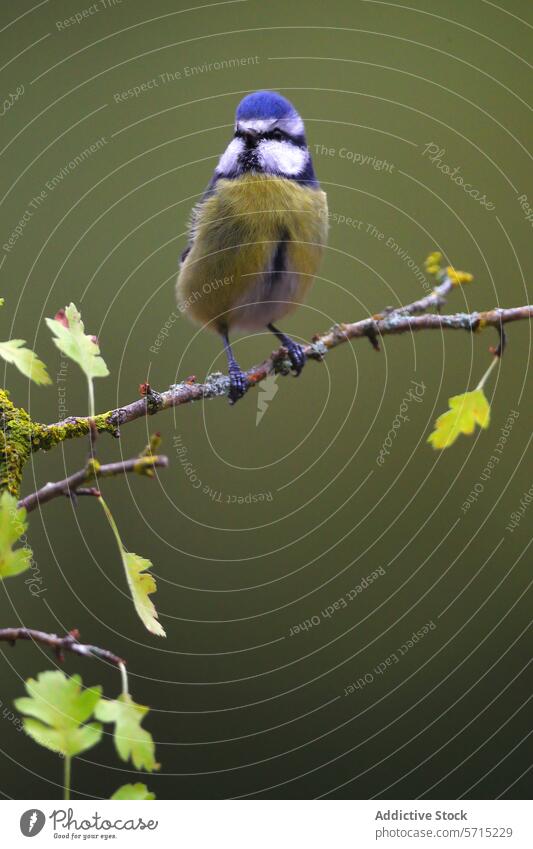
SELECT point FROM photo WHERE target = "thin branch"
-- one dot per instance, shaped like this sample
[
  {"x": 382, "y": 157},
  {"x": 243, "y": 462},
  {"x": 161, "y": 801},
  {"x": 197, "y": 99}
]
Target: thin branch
[
  {"x": 60, "y": 645},
  {"x": 410, "y": 318},
  {"x": 393, "y": 322},
  {"x": 434, "y": 300},
  {"x": 75, "y": 484}
]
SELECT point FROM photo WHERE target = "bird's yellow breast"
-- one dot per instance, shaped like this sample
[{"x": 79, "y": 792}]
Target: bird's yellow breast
[{"x": 237, "y": 231}]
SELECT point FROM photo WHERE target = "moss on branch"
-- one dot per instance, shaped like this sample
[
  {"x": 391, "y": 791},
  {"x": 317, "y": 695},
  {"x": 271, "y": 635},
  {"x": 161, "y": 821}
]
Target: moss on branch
[
  {"x": 20, "y": 436},
  {"x": 15, "y": 443},
  {"x": 45, "y": 437}
]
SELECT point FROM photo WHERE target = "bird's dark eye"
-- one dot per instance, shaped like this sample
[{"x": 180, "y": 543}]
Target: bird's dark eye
[{"x": 278, "y": 135}]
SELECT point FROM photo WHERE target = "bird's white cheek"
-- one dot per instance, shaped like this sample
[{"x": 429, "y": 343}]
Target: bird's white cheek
[
  {"x": 229, "y": 160},
  {"x": 293, "y": 126},
  {"x": 282, "y": 157}
]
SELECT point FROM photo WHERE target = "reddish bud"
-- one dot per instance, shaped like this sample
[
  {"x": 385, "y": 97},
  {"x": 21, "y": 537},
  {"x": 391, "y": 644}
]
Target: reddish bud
[{"x": 61, "y": 317}]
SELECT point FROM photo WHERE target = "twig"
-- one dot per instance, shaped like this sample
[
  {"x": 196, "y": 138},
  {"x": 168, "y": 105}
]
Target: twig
[
  {"x": 59, "y": 644},
  {"x": 435, "y": 299},
  {"x": 75, "y": 484}
]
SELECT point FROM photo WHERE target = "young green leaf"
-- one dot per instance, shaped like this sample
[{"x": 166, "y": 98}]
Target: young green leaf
[
  {"x": 76, "y": 344},
  {"x": 56, "y": 709},
  {"x": 140, "y": 582},
  {"x": 71, "y": 339},
  {"x": 25, "y": 360},
  {"x": 13, "y": 526},
  {"x": 136, "y": 792},
  {"x": 131, "y": 741},
  {"x": 465, "y": 412}
]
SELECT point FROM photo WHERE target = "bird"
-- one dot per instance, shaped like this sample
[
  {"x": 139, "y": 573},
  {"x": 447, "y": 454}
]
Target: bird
[{"x": 257, "y": 235}]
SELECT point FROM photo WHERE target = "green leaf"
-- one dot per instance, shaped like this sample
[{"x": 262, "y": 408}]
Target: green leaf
[
  {"x": 133, "y": 791},
  {"x": 131, "y": 741},
  {"x": 78, "y": 740},
  {"x": 74, "y": 343},
  {"x": 56, "y": 708},
  {"x": 465, "y": 412},
  {"x": 12, "y": 527},
  {"x": 25, "y": 360},
  {"x": 140, "y": 582},
  {"x": 78, "y": 346}
]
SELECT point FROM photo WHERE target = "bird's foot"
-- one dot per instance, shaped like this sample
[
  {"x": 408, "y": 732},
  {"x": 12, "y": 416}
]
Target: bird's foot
[
  {"x": 296, "y": 356},
  {"x": 238, "y": 384},
  {"x": 295, "y": 352}
]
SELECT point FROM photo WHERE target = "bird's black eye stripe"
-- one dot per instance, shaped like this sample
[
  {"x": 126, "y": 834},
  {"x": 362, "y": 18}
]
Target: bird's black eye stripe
[
  {"x": 280, "y": 135},
  {"x": 276, "y": 135}
]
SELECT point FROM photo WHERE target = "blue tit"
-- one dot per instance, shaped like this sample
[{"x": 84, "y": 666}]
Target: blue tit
[{"x": 257, "y": 235}]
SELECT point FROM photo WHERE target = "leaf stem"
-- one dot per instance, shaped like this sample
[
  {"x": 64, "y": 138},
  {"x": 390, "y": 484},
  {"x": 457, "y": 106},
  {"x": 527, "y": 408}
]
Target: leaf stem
[
  {"x": 66, "y": 780},
  {"x": 111, "y": 521},
  {"x": 485, "y": 377},
  {"x": 92, "y": 411},
  {"x": 124, "y": 677}
]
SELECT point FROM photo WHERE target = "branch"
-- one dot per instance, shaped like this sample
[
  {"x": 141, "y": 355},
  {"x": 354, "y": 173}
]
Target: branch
[
  {"x": 391, "y": 322},
  {"x": 74, "y": 484},
  {"x": 59, "y": 644}
]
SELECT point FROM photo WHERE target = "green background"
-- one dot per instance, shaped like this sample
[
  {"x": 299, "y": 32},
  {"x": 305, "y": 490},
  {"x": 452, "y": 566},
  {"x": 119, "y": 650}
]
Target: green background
[{"x": 239, "y": 707}]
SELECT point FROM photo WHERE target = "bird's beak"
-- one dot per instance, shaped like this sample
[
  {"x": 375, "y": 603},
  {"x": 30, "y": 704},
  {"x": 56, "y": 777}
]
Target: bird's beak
[{"x": 250, "y": 137}]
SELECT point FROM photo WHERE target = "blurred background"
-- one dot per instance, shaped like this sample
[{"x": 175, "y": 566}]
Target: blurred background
[{"x": 273, "y": 511}]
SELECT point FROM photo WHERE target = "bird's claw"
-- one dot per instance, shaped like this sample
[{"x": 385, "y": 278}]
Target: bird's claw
[
  {"x": 238, "y": 384},
  {"x": 297, "y": 357}
]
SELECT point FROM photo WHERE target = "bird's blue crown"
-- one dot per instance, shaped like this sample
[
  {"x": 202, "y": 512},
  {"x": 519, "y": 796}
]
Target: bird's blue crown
[{"x": 264, "y": 105}]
